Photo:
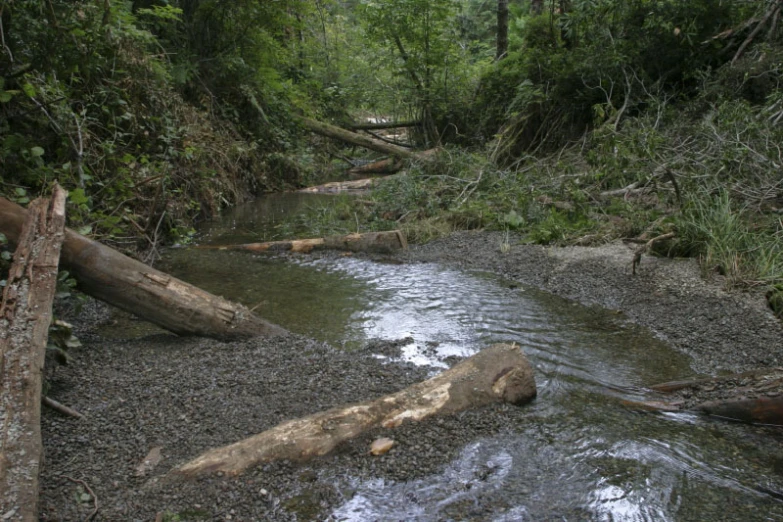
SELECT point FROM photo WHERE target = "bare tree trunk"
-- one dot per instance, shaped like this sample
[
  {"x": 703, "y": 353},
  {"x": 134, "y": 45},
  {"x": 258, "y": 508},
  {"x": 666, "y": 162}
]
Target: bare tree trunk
[
  {"x": 502, "y": 38},
  {"x": 500, "y": 373},
  {"x": 25, "y": 314},
  {"x": 110, "y": 276}
]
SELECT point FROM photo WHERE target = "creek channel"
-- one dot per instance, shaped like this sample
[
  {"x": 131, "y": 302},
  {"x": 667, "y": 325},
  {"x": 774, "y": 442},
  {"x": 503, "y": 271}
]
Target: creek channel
[{"x": 578, "y": 455}]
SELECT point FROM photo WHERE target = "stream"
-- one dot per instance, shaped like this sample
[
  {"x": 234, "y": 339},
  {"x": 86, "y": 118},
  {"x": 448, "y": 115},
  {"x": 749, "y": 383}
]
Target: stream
[{"x": 579, "y": 455}]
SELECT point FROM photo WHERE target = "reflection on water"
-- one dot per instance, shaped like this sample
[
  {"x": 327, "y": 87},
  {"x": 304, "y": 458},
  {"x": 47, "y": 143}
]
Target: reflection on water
[{"x": 578, "y": 456}]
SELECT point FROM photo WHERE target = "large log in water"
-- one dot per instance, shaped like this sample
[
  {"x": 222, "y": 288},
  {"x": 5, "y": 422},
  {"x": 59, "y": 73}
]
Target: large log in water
[
  {"x": 110, "y": 276},
  {"x": 500, "y": 373},
  {"x": 755, "y": 396},
  {"x": 379, "y": 242},
  {"x": 25, "y": 314}
]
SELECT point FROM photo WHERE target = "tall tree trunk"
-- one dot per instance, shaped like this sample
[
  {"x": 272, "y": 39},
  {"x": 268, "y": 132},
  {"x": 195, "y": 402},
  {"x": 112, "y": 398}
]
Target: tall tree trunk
[
  {"x": 25, "y": 314},
  {"x": 537, "y": 7},
  {"x": 114, "y": 278},
  {"x": 502, "y": 41}
]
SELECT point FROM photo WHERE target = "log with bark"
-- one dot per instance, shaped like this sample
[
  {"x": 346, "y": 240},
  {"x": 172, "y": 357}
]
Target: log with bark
[
  {"x": 377, "y": 242},
  {"x": 338, "y": 133},
  {"x": 25, "y": 315},
  {"x": 383, "y": 166},
  {"x": 755, "y": 396},
  {"x": 114, "y": 278},
  {"x": 500, "y": 373}
]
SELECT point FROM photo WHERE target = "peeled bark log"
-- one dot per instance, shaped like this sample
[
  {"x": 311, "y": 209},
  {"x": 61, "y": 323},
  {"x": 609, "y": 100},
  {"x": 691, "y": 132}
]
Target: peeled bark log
[
  {"x": 110, "y": 276},
  {"x": 378, "y": 242},
  {"x": 500, "y": 373},
  {"x": 25, "y": 314}
]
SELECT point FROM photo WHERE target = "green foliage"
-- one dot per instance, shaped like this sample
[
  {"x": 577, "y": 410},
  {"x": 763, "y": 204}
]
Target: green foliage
[
  {"x": 595, "y": 63},
  {"x": 727, "y": 240}
]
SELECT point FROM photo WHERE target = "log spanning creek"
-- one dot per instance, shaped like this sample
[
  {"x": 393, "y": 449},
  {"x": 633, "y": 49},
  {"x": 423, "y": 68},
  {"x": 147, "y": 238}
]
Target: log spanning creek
[{"x": 578, "y": 454}]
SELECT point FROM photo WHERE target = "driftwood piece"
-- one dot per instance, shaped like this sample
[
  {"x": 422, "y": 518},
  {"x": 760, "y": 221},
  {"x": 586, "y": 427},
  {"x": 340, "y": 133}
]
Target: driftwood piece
[
  {"x": 755, "y": 396},
  {"x": 637, "y": 255},
  {"x": 378, "y": 242},
  {"x": 175, "y": 305},
  {"x": 25, "y": 315},
  {"x": 500, "y": 373}
]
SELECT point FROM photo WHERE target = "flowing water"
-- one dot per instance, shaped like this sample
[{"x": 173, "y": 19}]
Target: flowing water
[{"x": 580, "y": 455}]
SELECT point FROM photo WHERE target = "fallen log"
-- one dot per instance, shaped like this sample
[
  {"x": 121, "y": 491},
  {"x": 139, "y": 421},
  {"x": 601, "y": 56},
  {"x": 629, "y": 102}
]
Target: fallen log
[
  {"x": 385, "y": 125},
  {"x": 755, "y": 396},
  {"x": 338, "y": 133},
  {"x": 25, "y": 315},
  {"x": 378, "y": 242},
  {"x": 500, "y": 373},
  {"x": 384, "y": 166},
  {"x": 110, "y": 276},
  {"x": 341, "y": 186}
]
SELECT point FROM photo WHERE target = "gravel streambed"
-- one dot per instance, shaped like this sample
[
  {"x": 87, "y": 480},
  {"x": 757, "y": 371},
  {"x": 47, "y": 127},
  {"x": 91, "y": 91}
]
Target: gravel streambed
[{"x": 184, "y": 396}]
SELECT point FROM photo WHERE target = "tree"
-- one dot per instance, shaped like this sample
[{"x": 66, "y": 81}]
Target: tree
[{"x": 502, "y": 39}]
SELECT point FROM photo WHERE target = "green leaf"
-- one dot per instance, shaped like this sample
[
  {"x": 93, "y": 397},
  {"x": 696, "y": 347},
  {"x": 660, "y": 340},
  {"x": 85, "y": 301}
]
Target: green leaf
[
  {"x": 37, "y": 152},
  {"x": 78, "y": 197},
  {"x": 19, "y": 191},
  {"x": 3, "y": 238},
  {"x": 86, "y": 229},
  {"x": 28, "y": 89},
  {"x": 5, "y": 255}
]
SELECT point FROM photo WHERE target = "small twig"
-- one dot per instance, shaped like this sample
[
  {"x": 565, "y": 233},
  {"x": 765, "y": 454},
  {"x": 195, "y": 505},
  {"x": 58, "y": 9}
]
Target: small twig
[
  {"x": 65, "y": 410},
  {"x": 91, "y": 492},
  {"x": 637, "y": 256}
]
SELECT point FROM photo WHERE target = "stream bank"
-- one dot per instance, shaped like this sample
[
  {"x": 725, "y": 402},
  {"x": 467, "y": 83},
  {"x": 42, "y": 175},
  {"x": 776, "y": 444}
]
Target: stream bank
[{"x": 574, "y": 454}]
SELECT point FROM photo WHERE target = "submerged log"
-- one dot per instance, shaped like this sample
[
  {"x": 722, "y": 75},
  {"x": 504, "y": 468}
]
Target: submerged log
[
  {"x": 25, "y": 315},
  {"x": 755, "y": 396},
  {"x": 500, "y": 373},
  {"x": 114, "y": 278},
  {"x": 377, "y": 242}
]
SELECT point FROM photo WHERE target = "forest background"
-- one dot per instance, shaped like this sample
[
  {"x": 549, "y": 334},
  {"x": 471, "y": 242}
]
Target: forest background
[{"x": 556, "y": 121}]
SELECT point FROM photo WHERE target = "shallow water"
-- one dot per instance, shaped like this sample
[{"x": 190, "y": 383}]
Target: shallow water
[{"x": 580, "y": 455}]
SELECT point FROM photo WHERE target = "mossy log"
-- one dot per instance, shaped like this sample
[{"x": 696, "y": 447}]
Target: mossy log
[
  {"x": 114, "y": 278},
  {"x": 377, "y": 242},
  {"x": 25, "y": 315},
  {"x": 500, "y": 373}
]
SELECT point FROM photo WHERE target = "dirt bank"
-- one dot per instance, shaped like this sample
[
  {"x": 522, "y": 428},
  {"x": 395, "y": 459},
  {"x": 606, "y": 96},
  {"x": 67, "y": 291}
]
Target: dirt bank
[{"x": 722, "y": 331}]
